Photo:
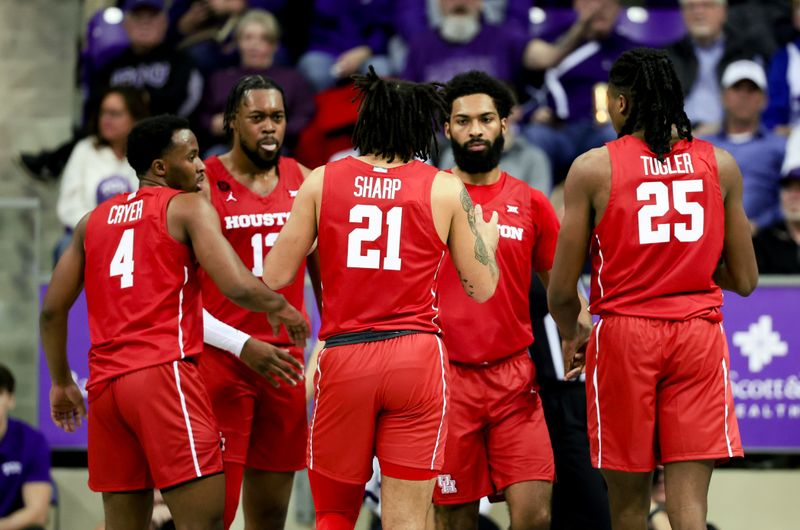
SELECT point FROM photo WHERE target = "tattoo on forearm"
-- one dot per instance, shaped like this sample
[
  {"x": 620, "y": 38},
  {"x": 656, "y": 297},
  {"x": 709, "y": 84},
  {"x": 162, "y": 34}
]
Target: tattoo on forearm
[
  {"x": 468, "y": 286},
  {"x": 481, "y": 253}
]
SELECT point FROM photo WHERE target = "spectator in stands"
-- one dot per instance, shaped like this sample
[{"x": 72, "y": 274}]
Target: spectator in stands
[
  {"x": 97, "y": 168},
  {"x": 778, "y": 246},
  {"x": 758, "y": 152},
  {"x": 463, "y": 42},
  {"x": 783, "y": 110},
  {"x": 258, "y": 38},
  {"x": 521, "y": 159},
  {"x": 565, "y": 123},
  {"x": 206, "y": 31},
  {"x": 170, "y": 77},
  {"x": 25, "y": 484},
  {"x": 345, "y": 37},
  {"x": 702, "y": 55}
]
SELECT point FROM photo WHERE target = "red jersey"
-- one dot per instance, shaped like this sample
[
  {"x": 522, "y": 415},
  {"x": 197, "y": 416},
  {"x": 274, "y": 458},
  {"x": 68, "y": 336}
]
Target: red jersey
[
  {"x": 379, "y": 250},
  {"x": 659, "y": 241},
  {"x": 141, "y": 287},
  {"x": 481, "y": 333},
  {"x": 251, "y": 224}
]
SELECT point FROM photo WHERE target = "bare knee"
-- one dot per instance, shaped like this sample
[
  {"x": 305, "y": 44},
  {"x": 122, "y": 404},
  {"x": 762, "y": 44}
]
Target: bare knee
[
  {"x": 530, "y": 518},
  {"x": 266, "y": 516},
  {"x": 456, "y": 516}
]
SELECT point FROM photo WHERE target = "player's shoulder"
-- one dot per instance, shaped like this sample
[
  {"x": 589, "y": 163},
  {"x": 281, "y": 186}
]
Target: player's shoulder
[{"x": 590, "y": 167}]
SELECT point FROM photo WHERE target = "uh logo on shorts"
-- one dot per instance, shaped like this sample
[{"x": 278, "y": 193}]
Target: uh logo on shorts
[{"x": 447, "y": 484}]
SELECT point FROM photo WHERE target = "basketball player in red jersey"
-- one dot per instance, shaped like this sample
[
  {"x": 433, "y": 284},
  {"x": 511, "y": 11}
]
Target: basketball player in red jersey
[
  {"x": 152, "y": 424},
  {"x": 664, "y": 218},
  {"x": 252, "y": 188},
  {"x": 497, "y": 441},
  {"x": 384, "y": 223}
]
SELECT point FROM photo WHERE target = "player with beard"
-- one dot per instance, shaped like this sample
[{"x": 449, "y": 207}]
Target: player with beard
[
  {"x": 497, "y": 443},
  {"x": 252, "y": 188}
]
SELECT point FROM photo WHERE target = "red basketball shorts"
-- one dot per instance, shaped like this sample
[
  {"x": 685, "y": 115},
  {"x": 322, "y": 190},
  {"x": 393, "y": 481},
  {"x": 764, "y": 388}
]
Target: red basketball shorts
[
  {"x": 497, "y": 435},
  {"x": 659, "y": 391},
  {"x": 152, "y": 428},
  {"x": 263, "y": 427},
  {"x": 387, "y": 398}
]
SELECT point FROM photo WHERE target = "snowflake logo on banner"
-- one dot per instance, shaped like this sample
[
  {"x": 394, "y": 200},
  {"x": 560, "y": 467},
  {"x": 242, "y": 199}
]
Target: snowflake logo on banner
[{"x": 760, "y": 343}]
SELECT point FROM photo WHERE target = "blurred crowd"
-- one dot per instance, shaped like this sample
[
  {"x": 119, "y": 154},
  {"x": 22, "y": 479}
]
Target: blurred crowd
[{"x": 738, "y": 62}]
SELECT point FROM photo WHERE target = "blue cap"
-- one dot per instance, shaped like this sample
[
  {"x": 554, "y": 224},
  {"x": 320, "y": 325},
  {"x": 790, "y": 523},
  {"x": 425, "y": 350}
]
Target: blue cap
[{"x": 130, "y": 5}]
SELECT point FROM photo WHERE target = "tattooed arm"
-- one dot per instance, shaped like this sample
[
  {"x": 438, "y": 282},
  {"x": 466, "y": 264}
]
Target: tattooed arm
[{"x": 472, "y": 241}]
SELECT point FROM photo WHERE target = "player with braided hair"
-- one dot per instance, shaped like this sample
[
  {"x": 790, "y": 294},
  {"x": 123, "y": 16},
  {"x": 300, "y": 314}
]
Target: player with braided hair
[
  {"x": 383, "y": 222},
  {"x": 663, "y": 215}
]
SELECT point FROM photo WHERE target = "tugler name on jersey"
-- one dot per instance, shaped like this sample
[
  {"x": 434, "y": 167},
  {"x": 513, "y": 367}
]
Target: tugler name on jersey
[
  {"x": 679, "y": 164},
  {"x": 125, "y": 213},
  {"x": 376, "y": 187}
]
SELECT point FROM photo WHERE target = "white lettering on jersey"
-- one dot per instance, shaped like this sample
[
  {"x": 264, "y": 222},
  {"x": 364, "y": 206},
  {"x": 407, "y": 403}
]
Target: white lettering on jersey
[
  {"x": 255, "y": 220},
  {"x": 678, "y": 164},
  {"x": 510, "y": 232},
  {"x": 126, "y": 213},
  {"x": 447, "y": 484},
  {"x": 376, "y": 187}
]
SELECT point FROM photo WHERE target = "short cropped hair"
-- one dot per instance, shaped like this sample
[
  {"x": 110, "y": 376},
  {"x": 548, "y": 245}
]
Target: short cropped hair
[
  {"x": 150, "y": 139},
  {"x": 477, "y": 82}
]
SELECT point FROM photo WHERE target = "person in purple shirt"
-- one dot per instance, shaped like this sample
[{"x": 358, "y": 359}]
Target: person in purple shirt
[
  {"x": 783, "y": 109},
  {"x": 258, "y": 39},
  {"x": 564, "y": 123},
  {"x": 463, "y": 41},
  {"x": 758, "y": 152},
  {"x": 345, "y": 37},
  {"x": 25, "y": 484}
]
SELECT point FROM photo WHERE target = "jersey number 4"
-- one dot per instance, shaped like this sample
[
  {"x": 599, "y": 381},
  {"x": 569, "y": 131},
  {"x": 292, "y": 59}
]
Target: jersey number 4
[
  {"x": 650, "y": 232},
  {"x": 122, "y": 263},
  {"x": 371, "y": 259}
]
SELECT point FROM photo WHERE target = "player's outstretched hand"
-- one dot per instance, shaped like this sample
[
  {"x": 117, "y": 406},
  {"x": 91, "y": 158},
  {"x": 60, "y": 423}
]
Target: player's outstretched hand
[
  {"x": 487, "y": 230},
  {"x": 67, "y": 408},
  {"x": 574, "y": 351},
  {"x": 294, "y": 322},
  {"x": 271, "y": 362}
]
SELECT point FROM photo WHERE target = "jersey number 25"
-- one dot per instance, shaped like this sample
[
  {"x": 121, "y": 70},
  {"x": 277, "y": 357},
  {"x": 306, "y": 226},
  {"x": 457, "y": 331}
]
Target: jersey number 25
[{"x": 650, "y": 232}]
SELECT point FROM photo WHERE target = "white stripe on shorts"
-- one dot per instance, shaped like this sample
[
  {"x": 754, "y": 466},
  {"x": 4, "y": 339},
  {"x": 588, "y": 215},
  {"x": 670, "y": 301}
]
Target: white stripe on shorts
[
  {"x": 444, "y": 403},
  {"x": 186, "y": 418},
  {"x": 596, "y": 392},
  {"x": 725, "y": 383},
  {"x": 314, "y": 417}
]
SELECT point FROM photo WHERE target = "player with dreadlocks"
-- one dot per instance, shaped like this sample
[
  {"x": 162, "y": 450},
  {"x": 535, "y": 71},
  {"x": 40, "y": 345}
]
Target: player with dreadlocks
[
  {"x": 384, "y": 222},
  {"x": 264, "y": 428},
  {"x": 663, "y": 214}
]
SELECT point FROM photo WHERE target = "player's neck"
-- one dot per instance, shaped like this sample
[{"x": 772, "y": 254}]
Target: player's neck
[
  {"x": 380, "y": 161},
  {"x": 244, "y": 170},
  {"x": 478, "y": 179}
]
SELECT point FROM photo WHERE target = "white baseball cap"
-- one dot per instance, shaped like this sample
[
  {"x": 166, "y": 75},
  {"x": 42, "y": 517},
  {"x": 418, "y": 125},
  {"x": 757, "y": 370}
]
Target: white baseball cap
[{"x": 744, "y": 69}]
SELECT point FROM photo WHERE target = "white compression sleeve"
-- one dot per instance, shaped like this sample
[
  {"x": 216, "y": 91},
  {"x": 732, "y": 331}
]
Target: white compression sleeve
[{"x": 220, "y": 335}]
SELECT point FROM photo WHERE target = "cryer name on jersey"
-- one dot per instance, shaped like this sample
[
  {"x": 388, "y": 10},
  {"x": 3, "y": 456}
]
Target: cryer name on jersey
[
  {"x": 126, "y": 213},
  {"x": 377, "y": 187},
  {"x": 678, "y": 164},
  {"x": 510, "y": 232},
  {"x": 255, "y": 220}
]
